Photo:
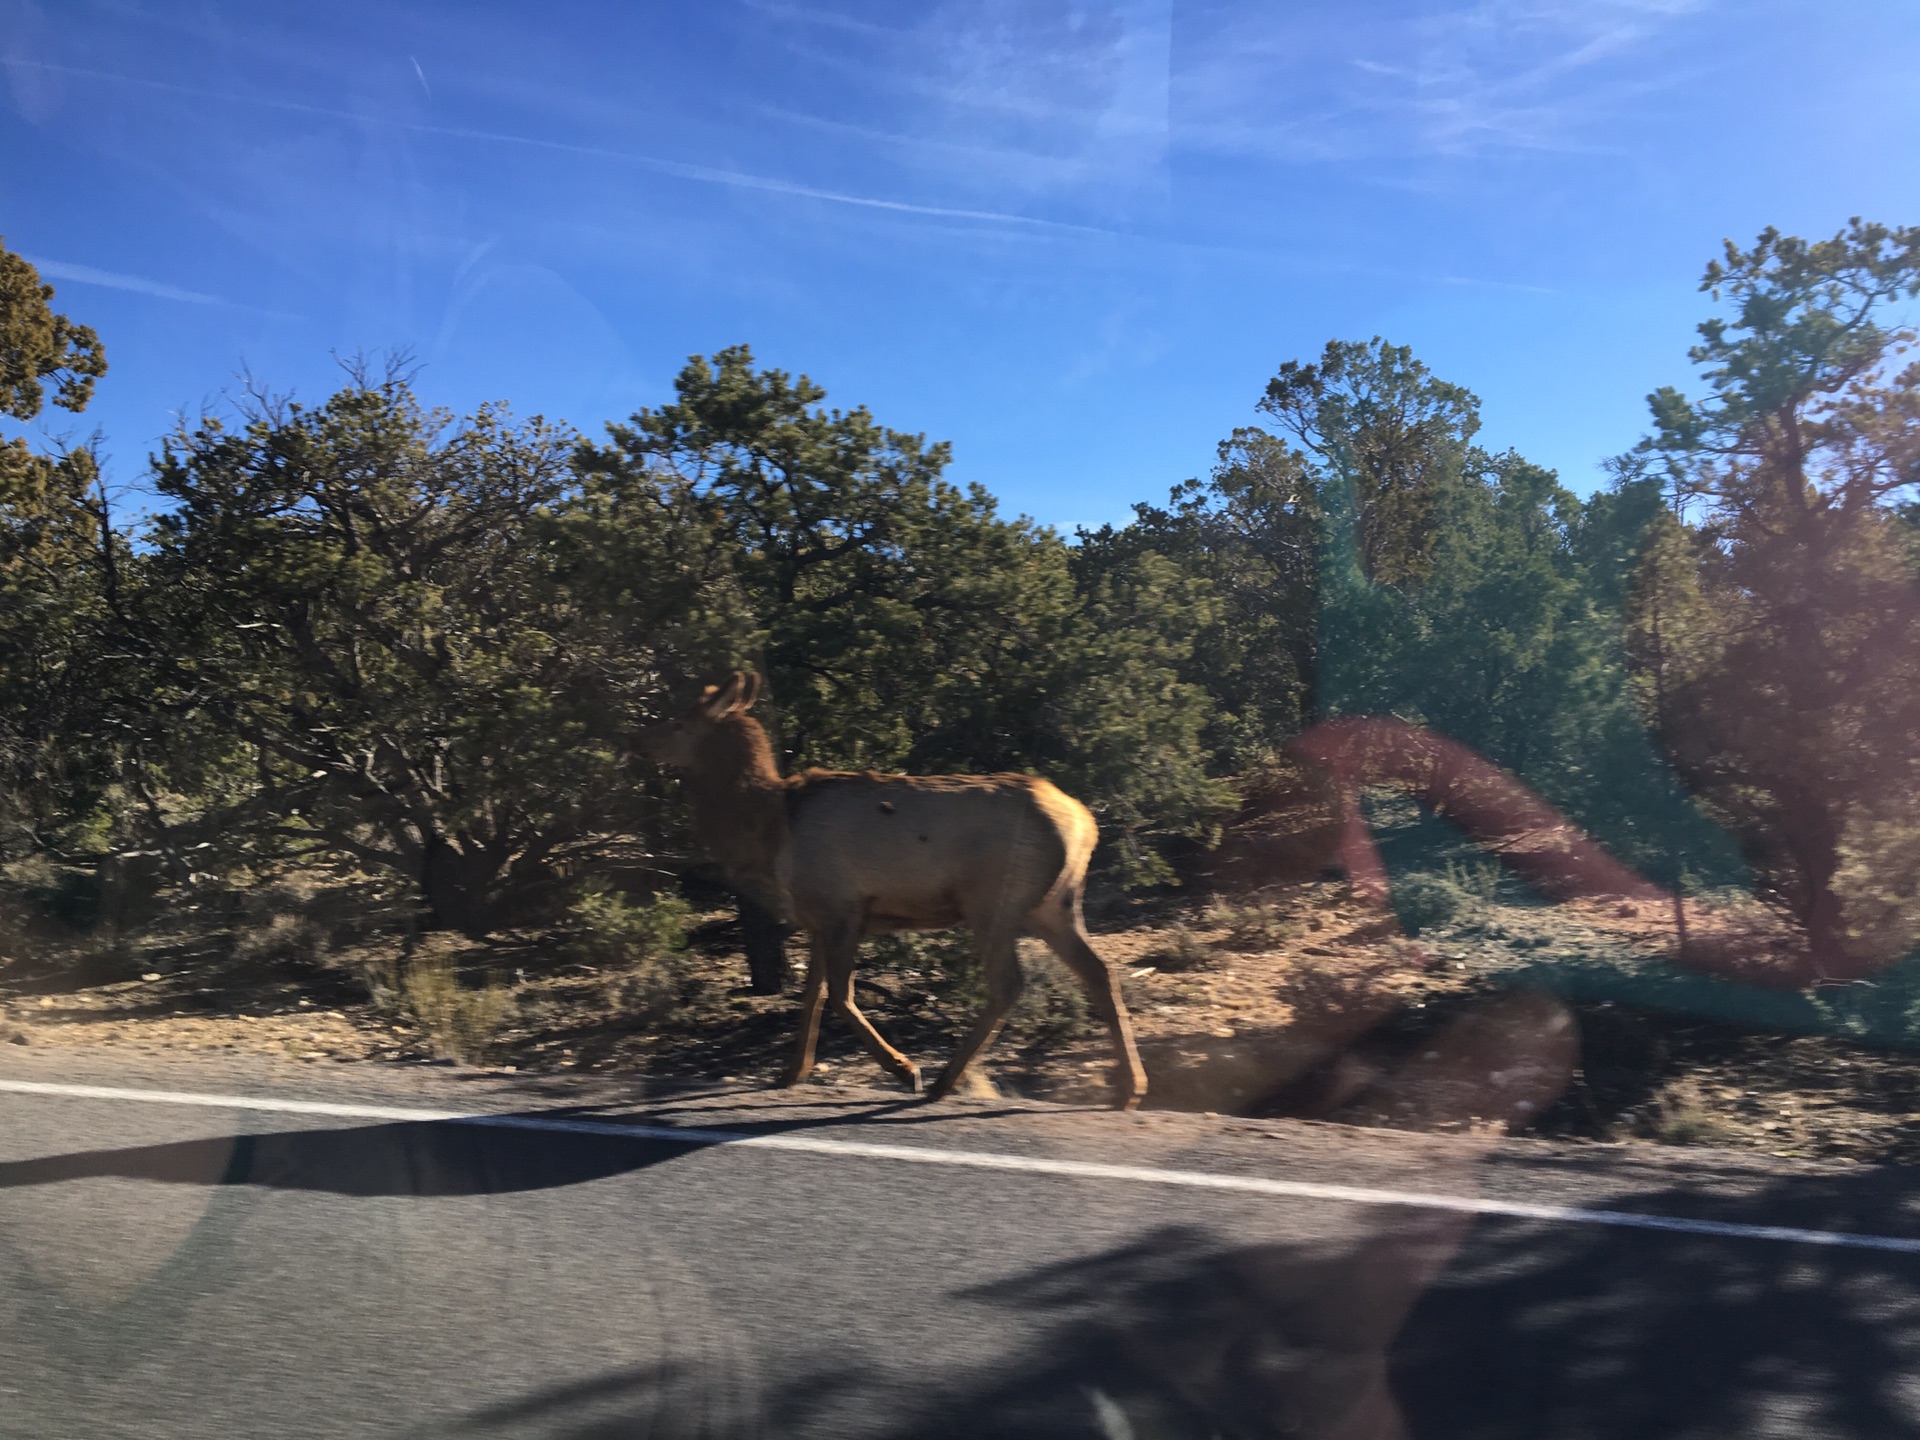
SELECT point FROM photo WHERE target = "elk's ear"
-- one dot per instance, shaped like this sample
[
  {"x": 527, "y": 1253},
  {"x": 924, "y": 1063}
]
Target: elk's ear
[
  {"x": 720, "y": 701},
  {"x": 749, "y": 689}
]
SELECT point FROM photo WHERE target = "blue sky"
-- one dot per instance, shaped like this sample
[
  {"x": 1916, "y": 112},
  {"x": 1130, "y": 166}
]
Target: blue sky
[{"x": 1075, "y": 239}]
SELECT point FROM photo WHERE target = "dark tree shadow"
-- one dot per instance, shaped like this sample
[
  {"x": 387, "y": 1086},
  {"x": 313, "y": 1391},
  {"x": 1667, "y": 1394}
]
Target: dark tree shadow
[
  {"x": 1578, "y": 1331},
  {"x": 1565, "y": 1331},
  {"x": 664, "y": 1402},
  {"x": 1525, "y": 1330},
  {"x": 1177, "y": 1335},
  {"x": 1529, "y": 1330}
]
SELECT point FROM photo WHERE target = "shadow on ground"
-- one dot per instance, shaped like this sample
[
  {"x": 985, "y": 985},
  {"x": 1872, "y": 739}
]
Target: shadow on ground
[
  {"x": 425, "y": 1159},
  {"x": 1429, "y": 1325},
  {"x": 1423, "y": 1328}
]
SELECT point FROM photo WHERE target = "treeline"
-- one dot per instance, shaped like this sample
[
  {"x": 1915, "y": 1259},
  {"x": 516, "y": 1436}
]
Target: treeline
[{"x": 372, "y": 635}]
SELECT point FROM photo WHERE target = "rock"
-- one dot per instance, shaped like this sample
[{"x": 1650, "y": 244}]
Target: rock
[{"x": 18, "y": 1037}]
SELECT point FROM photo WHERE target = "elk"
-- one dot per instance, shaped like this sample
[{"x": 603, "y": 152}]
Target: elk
[{"x": 844, "y": 855}]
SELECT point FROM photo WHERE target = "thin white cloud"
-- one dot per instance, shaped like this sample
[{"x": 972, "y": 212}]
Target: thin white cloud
[
  {"x": 114, "y": 280},
  {"x": 958, "y": 155},
  {"x": 704, "y": 174},
  {"x": 1469, "y": 79},
  {"x": 1003, "y": 96},
  {"x": 813, "y": 16},
  {"x": 1511, "y": 72}
]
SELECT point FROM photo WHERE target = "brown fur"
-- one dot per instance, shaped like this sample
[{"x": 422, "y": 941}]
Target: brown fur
[{"x": 845, "y": 855}]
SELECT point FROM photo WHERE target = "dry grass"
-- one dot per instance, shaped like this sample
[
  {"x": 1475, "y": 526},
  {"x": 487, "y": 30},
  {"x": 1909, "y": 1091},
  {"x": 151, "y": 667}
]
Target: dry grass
[
  {"x": 1686, "y": 1115},
  {"x": 458, "y": 1022},
  {"x": 281, "y": 939}
]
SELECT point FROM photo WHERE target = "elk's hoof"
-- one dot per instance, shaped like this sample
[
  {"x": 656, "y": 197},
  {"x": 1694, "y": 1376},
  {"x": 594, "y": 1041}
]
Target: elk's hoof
[
  {"x": 789, "y": 1078},
  {"x": 909, "y": 1079}
]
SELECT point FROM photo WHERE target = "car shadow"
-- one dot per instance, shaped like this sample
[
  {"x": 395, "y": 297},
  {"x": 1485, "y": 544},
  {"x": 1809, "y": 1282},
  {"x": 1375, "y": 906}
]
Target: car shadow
[{"x": 491, "y": 1155}]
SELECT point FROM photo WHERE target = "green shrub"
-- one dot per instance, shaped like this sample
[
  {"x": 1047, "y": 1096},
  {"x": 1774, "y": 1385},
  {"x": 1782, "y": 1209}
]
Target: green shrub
[
  {"x": 1480, "y": 879},
  {"x": 1253, "y": 927},
  {"x": 945, "y": 959},
  {"x": 1884, "y": 1010},
  {"x": 643, "y": 938},
  {"x": 612, "y": 929},
  {"x": 1053, "y": 1004},
  {"x": 1426, "y": 902},
  {"x": 1180, "y": 949},
  {"x": 67, "y": 894}
]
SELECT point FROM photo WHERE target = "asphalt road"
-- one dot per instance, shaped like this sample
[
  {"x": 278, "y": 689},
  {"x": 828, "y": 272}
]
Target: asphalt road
[{"x": 172, "y": 1266}]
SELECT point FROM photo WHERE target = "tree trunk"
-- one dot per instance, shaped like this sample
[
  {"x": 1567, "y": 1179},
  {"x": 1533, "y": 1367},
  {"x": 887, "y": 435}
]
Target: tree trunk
[
  {"x": 765, "y": 938},
  {"x": 458, "y": 889}
]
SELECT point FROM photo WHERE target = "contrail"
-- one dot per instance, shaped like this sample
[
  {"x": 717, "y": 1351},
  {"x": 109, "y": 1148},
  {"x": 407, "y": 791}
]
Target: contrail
[
  {"x": 114, "y": 280},
  {"x": 705, "y": 174}
]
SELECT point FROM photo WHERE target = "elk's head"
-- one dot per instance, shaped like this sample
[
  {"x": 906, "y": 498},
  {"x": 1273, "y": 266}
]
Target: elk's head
[{"x": 676, "y": 742}]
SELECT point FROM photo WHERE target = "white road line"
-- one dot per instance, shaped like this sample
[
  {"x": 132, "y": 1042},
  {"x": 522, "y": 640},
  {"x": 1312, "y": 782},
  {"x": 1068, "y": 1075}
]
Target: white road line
[{"x": 988, "y": 1160}]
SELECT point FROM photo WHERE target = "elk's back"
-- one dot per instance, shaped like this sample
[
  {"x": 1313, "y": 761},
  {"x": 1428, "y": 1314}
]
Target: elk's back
[{"x": 914, "y": 851}]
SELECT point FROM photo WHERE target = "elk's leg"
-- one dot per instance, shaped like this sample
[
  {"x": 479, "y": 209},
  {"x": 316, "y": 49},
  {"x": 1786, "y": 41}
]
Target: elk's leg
[
  {"x": 1000, "y": 963},
  {"x": 1067, "y": 938},
  {"x": 813, "y": 999},
  {"x": 840, "y": 948}
]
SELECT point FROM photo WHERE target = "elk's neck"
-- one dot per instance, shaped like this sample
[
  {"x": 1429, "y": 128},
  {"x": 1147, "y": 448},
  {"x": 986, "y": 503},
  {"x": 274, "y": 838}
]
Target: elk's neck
[{"x": 739, "y": 803}]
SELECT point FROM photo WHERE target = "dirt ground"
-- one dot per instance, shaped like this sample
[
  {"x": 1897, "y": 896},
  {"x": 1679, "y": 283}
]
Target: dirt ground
[{"x": 1307, "y": 1003}]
